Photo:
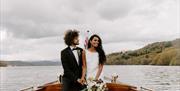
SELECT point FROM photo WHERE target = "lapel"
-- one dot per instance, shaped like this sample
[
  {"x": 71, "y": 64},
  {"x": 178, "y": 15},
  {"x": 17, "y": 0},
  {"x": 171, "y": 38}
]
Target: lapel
[
  {"x": 79, "y": 55},
  {"x": 72, "y": 55}
]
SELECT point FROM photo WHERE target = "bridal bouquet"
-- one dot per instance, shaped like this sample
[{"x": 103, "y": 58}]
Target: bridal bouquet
[{"x": 95, "y": 85}]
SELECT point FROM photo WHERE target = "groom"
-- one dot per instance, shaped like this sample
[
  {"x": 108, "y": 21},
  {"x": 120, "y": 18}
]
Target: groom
[{"x": 71, "y": 58}]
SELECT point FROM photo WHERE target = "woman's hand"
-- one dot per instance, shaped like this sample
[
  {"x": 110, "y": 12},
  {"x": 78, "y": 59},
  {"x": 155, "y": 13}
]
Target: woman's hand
[
  {"x": 96, "y": 79},
  {"x": 83, "y": 81}
]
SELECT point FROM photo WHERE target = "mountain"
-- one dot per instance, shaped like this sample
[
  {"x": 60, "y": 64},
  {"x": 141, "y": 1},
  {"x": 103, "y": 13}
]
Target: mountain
[
  {"x": 158, "y": 53},
  {"x": 2, "y": 64},
  {"x": 30, "y": 63}
]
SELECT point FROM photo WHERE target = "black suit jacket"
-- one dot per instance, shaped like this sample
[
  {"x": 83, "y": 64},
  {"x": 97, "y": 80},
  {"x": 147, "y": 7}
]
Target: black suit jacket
[{"x": 72, "y": 70}]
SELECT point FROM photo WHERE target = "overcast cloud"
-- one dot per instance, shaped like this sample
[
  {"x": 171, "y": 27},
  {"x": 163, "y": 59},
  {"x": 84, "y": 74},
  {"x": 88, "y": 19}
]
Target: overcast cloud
[{"x": 34, "y": 30}]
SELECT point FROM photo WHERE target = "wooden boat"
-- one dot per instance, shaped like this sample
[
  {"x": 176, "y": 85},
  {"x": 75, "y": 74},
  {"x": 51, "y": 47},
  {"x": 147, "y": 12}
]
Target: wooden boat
[
  {"x": 56, "y": 86},
  {"x": 112, "y": 86}
]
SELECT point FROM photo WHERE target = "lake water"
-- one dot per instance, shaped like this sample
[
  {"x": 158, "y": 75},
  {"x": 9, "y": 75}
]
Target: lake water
[{"x": 158, "y": 78}]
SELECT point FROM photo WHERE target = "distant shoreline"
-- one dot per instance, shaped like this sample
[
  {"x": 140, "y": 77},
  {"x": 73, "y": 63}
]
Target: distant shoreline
[
  {"x": 105, "y": 65},
  {"x": 30, "y": 63},
  {"x": 166, "y": 53}
]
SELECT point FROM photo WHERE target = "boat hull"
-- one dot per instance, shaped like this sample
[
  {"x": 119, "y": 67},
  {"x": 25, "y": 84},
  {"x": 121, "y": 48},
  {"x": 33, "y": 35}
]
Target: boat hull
[{"x": 110, "y": 86}]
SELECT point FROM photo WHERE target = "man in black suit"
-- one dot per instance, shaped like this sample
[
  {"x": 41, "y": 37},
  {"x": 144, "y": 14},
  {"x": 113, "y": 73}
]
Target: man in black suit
[{"x": 73, "y": 62}]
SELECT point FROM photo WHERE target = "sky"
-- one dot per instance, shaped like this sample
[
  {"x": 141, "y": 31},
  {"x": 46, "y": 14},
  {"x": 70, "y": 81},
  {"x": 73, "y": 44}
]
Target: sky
[{"x": 34, "y": 29}]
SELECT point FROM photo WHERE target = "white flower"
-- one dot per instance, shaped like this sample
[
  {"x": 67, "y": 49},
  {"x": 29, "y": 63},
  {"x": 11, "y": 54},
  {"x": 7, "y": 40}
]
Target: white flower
[
  {"x": 114, "y": 75},
  {"x": 79, "y": 52},
  {"x": 95, "y": 85}
]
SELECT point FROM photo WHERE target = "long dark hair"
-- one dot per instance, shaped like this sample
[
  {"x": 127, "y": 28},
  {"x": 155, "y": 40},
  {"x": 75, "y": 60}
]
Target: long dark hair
[
  {"x": 99, "y": 49},
  {"x": 70, "y": 35}
]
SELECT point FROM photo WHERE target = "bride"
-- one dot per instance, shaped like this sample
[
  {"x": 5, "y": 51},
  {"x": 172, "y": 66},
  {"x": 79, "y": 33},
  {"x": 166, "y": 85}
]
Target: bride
[{"x": 95, "y": 58}]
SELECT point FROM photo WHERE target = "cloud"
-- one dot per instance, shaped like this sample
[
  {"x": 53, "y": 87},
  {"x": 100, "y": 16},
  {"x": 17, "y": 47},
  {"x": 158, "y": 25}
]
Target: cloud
[
  {"x": 44, "y": 18},
  {"x": 115, "y": 9},
  {"x": 35, "y": 28},
  {"x": 32, "y": 49}
]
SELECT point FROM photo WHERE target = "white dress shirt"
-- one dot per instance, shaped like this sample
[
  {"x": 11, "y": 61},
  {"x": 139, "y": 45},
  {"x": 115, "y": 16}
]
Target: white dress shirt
[{"x": 75, "y": 54}]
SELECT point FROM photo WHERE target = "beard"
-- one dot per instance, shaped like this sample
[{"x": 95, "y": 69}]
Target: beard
[{"x": 76, "y": 43}]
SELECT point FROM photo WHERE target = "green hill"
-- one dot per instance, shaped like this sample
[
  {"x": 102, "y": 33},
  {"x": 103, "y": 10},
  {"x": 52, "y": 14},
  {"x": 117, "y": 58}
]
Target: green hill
[{"x": 159, "y": 53}]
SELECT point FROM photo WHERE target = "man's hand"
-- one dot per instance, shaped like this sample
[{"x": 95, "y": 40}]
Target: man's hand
[{"x": 81, "y": 81}]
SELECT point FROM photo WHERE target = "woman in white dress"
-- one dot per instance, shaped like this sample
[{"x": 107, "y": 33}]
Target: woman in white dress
[{"x": 95, "y": 58}]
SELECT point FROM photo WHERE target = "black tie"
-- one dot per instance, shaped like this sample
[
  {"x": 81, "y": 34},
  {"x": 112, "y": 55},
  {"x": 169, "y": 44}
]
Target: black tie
[{"x": 74, "y": 49}]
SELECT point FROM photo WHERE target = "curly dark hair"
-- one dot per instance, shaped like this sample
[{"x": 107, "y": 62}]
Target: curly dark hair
[
  {"x": 70, "y": 35},
  {"x": 99, "y": 49}
]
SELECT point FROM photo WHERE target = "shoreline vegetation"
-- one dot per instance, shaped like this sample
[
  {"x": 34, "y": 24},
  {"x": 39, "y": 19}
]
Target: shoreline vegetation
[{"x": 166, "y": 53}]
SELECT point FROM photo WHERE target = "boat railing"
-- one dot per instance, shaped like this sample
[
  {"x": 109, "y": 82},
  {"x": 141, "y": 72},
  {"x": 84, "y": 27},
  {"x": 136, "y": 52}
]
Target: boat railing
[
  {"x": 145, "y": 89},
  {"x": 114, "y": 80},
  {"x": 28, "y": 89}
]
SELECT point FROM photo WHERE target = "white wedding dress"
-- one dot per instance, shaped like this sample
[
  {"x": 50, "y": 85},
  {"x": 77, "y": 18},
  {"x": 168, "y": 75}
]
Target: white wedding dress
[{"x": 92, "y": 61}]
